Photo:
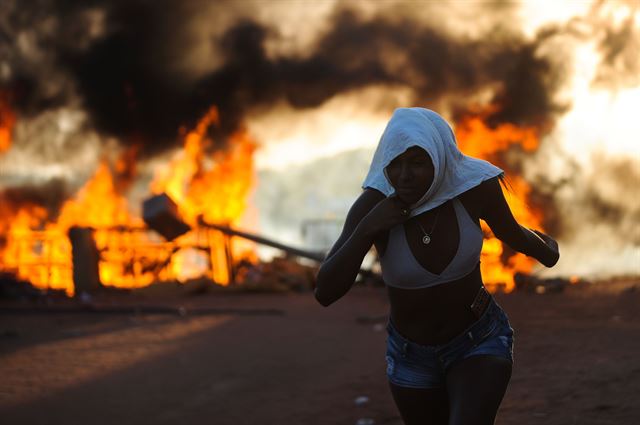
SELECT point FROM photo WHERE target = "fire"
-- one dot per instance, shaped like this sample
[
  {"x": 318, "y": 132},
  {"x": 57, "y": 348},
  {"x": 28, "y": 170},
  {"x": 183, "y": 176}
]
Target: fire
[
  {"x": 7, "y": 121},
  {"x": 97, "y": 204},
  {"x": 100, "y": 206},
  {"x": 21, "y": 247},
  {"x": 475, "y": 138},
  {"x": 215, "y": 187},
  {"x": 216, "y": 193}
]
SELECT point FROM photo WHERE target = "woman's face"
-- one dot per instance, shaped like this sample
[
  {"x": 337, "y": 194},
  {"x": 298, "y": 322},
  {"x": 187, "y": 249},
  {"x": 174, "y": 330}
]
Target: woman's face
[{"x": 411, "y": 174}]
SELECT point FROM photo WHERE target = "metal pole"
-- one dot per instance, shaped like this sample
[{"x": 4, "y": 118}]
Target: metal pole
[{"x": 317, "y": 256}]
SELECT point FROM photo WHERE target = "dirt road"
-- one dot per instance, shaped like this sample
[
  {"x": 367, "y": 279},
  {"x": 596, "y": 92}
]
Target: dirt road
[{"x": 577, "y": 361}]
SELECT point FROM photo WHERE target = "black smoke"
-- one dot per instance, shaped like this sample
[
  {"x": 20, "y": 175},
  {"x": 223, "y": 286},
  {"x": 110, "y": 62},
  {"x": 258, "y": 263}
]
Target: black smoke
[
  {"x": 49, "y": 196},
  {"x": 121, "y": 77}
]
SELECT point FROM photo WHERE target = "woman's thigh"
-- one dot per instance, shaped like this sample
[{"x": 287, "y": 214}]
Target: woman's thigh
[
  {"x": 476, "y": 386},
  {"x": 421, "y": 406}
]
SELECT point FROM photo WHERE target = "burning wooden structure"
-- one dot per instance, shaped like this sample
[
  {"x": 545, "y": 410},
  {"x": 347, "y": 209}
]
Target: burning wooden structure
[
  {"x": 34, "y": 245},
  {"x": 197, "y": 203}
]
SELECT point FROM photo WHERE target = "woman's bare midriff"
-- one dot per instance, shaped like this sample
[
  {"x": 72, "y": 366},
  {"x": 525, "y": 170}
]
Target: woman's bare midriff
[{"x": 435, "y": 315}]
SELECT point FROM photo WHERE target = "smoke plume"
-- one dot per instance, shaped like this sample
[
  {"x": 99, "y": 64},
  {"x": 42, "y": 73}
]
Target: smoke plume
[{"x": 115, "y": 59}]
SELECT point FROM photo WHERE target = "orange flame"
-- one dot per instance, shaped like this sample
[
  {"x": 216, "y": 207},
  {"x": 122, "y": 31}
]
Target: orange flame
[
  {"x": 7, "y": 121},
  {"x": 214, "y": 187},
  {"x": 19, "y": 251},
  {"x": 475, "y": 138},
  {"x": 216, "y": 192}
]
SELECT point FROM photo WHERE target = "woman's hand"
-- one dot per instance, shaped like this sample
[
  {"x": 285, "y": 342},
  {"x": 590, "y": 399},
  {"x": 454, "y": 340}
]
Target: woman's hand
[
  {"x": 386, "y": 214},
  {"x": 552, "y": 244}
]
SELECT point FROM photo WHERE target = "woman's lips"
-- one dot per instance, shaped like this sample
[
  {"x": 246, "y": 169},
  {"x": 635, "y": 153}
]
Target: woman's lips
[{"x": 408, "y": 195}]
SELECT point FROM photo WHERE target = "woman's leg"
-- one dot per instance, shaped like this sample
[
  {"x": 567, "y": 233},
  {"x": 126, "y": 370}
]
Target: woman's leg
[
  {"x": 421, "y": 406},
  {"x": 476, "y": 386}
]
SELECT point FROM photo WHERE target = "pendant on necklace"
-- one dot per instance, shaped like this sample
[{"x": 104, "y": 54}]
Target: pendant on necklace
[{"x": 426, "y": 240}]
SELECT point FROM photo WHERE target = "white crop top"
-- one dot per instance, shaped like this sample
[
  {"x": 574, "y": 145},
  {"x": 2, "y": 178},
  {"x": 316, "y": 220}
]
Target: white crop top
[{"x": 401, "y": 269}]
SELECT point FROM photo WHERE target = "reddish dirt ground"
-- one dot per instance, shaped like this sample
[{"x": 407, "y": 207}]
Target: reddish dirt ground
[{"x": 577, "y": 361}]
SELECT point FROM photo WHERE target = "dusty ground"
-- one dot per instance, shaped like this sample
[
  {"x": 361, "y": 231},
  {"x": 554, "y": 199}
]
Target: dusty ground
[{"x": 577, "y": 360}]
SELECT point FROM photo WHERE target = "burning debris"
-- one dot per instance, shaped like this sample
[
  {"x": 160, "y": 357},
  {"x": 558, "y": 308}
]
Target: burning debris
[
  {"x": 281, "y": 274},
  {"x": 106, "y": 246},
  {"x": 36, "y": 246},
  {"x": 160, "y": 213},
  {"x": 530, "y": 283},
  {"x": 86, "y": 260}
]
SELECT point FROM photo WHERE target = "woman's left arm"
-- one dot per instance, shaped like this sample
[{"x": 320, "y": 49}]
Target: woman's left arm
[{"x": 497, "y": 214}]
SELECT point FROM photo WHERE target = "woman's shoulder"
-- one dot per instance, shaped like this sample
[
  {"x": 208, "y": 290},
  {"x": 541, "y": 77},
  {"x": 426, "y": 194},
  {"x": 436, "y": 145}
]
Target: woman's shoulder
[
  {"x": 372, "y": 195},
  {"x": 368, "y": 199},
  {"x": 476, "y": 198},
  {"x": 365, "y": 202},
  {"x": 483, "y": 188}
]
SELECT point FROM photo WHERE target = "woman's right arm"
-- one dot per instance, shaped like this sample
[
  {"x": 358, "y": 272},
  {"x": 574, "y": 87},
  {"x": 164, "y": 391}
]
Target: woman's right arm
[
  {"x": 340, "y": 267},
  {"x": 498, "y": 215},
  {"x": 371, "y": 213}
]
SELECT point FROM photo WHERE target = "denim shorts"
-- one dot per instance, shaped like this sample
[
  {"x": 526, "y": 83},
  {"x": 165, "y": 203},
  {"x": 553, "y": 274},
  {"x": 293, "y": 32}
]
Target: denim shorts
[{"x": 414, "y": 365}]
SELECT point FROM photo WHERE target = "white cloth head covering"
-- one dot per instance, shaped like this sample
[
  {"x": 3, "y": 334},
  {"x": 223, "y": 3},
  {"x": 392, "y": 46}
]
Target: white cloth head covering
[{"x": 454, "y": 172}]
